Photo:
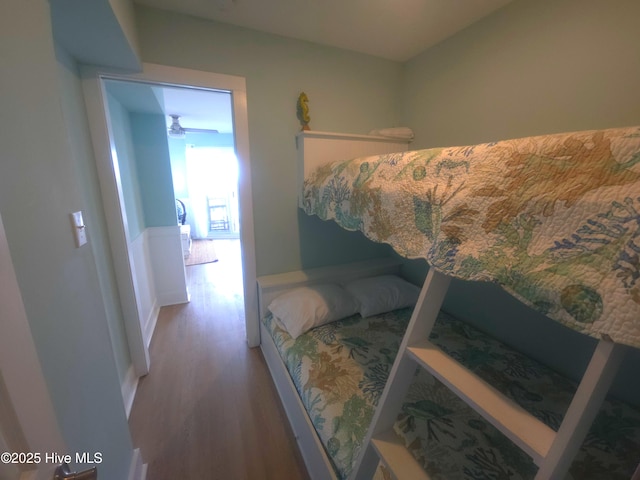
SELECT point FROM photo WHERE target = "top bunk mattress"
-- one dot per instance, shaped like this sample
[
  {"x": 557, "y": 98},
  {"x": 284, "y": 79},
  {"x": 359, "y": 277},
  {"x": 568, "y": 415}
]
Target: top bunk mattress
[
  {"x": 555, "y": 220},
  {"x": 340, "y": 369}
]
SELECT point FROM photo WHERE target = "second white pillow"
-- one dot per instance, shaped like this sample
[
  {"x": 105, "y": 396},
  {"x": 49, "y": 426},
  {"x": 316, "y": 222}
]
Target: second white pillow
[
  {"x": 304, "y": 308},
  {"x": 382, "y": 294}
]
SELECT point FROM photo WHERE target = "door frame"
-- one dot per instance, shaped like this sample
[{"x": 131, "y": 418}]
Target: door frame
[{"x": 162, "y": 75}]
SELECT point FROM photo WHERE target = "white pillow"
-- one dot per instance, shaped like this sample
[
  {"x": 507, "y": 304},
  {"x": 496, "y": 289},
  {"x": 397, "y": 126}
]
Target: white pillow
[
  {"x": 382, "y": 294},
  {"x": 304, "y": 308}
]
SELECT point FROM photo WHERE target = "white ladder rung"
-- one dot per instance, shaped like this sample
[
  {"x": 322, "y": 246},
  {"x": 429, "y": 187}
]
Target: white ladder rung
[
  {"x": 395, "y": 455},
  {"x": 522, "y": 428}
]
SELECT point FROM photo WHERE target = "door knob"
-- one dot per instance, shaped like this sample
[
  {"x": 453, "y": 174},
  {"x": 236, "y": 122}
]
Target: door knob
[{"x": 63, "y": 472}]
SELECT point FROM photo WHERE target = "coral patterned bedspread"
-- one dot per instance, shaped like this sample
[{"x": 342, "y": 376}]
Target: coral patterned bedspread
[
  {"x": 555, "y": 219},
  {"x": 340, "y": 369}
]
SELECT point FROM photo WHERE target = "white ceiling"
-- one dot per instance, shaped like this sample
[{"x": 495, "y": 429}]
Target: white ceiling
[
  {"x": 197, "y": 108},
  {"x": 391, "y": 29}
]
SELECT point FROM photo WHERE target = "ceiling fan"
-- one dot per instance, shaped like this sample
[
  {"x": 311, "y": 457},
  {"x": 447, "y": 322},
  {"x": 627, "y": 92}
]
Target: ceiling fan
[{"x": 178, "y": 131}]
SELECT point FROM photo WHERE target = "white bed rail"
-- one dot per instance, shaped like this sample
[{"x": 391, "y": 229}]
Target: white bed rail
[{"x": 270, "y": 286}]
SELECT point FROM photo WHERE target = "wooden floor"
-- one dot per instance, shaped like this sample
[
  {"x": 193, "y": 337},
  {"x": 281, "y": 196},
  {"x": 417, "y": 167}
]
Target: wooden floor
[{"x": 208, "y": 408}]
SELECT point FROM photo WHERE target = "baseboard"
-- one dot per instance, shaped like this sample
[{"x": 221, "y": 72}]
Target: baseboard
[
  {"x": 175, "y": 297},
  {"x": 137, "y": 470},
  {"x": 128, "y": 388},
  {"x": 150, "y": 324}
]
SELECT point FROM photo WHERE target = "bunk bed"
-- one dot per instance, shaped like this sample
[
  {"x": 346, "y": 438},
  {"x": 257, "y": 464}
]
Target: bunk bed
[{"x": 554, "y": 221}]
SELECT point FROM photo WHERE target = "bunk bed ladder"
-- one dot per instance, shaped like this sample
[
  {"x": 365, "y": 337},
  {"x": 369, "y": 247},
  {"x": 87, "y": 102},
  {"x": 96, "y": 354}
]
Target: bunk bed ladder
[
  {"x": 552, "y": 451},
  {"x": 381, "y": 442}
]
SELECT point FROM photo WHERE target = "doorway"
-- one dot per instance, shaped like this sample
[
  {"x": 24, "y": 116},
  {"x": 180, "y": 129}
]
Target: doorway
[{"x": 109, "y": 176}]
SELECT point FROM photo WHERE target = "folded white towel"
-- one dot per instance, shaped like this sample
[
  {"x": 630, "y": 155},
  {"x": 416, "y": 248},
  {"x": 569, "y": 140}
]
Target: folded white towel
[{"x": 394, "y": 132}]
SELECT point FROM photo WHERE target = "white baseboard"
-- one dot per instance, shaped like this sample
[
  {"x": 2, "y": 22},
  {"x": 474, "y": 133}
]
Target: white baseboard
[
  {"x": 137, "y": 470},
  {"x": 174, "y": 297},
  {"x": 128, "y": 388},
  {"x": 150, "y": 324}
]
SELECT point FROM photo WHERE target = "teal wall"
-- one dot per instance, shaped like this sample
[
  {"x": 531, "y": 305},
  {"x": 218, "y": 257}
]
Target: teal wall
[
  {"x": 348, "y": 92},
  {"x": 144, "y": 167},
  {"x": 128, "y": 172},
  {"x": 45, "y": 162},
  {"x": 82, "y": 154},
  {"x": 531, "y": 68},
  {"x": 153, "y": 168}
]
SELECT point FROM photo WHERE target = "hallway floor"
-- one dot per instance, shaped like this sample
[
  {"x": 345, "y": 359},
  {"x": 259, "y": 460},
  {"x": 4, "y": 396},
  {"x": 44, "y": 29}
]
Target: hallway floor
[{"x": 208, "y": 409}]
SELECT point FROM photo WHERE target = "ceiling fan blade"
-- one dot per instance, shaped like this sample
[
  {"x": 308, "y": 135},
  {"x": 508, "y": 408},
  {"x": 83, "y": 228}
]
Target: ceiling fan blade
[
  {"x": 177, "y": 130},
  {"x": 200, "y": 130}
]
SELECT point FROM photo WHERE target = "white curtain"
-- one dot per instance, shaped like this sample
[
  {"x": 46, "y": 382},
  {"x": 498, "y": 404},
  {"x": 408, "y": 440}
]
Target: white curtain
[{"x": 211, "y": 172}]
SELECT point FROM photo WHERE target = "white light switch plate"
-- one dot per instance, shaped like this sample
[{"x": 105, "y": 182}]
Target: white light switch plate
[{"x": 79, "y": 229}]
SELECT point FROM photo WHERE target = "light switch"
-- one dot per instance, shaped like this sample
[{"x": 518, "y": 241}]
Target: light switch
[{"x": 79, "y": 229}]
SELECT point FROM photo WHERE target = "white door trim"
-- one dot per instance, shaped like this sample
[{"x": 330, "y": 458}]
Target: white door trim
[
  {"x": 166, "y": 75},
  {"x": 113, "y": 202}
]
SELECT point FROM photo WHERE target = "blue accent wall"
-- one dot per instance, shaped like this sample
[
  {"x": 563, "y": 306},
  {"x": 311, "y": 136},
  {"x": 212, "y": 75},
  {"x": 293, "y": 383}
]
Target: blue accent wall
[
  {"x": 127, "y": 170},
  {"x": 153, "y": 168}
]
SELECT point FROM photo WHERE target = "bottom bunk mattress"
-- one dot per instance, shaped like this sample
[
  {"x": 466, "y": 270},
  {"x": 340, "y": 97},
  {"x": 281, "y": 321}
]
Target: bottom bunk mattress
[{"x": 340, "y": 370}]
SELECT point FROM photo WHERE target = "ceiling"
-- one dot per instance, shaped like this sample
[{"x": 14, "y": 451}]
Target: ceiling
[
  {"x": 366, "y": 26},
  {"x": 197, "y": 108},
  {"x": 392, "y": 29}
]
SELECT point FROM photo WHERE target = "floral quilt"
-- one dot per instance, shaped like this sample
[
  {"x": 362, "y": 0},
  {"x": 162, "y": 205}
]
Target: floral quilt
[
  {"x": 555, "y": 219},
  {"x": 453, "y": 442},
  {"x": 340, "y": 370}
]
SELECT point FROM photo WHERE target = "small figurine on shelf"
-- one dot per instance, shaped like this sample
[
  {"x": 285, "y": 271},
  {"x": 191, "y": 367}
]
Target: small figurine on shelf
[{"x": 303, "y": 111}]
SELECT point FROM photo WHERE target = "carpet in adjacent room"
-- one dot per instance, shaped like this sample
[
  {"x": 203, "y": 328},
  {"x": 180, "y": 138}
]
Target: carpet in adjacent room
[{"x": 202, "y": 251}]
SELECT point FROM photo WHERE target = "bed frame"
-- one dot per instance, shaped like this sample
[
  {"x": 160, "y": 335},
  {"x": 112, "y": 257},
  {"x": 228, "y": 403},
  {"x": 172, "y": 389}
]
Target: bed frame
[
  {"x": 552, "y": 452},
  {"x": 314, "y": 148},
  {"x": 318, "y": 464}
]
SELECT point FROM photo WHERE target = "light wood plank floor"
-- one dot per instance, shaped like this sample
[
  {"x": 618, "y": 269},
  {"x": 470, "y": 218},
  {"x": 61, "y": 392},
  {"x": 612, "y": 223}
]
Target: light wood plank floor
[{"x": 208, "y": 409}]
